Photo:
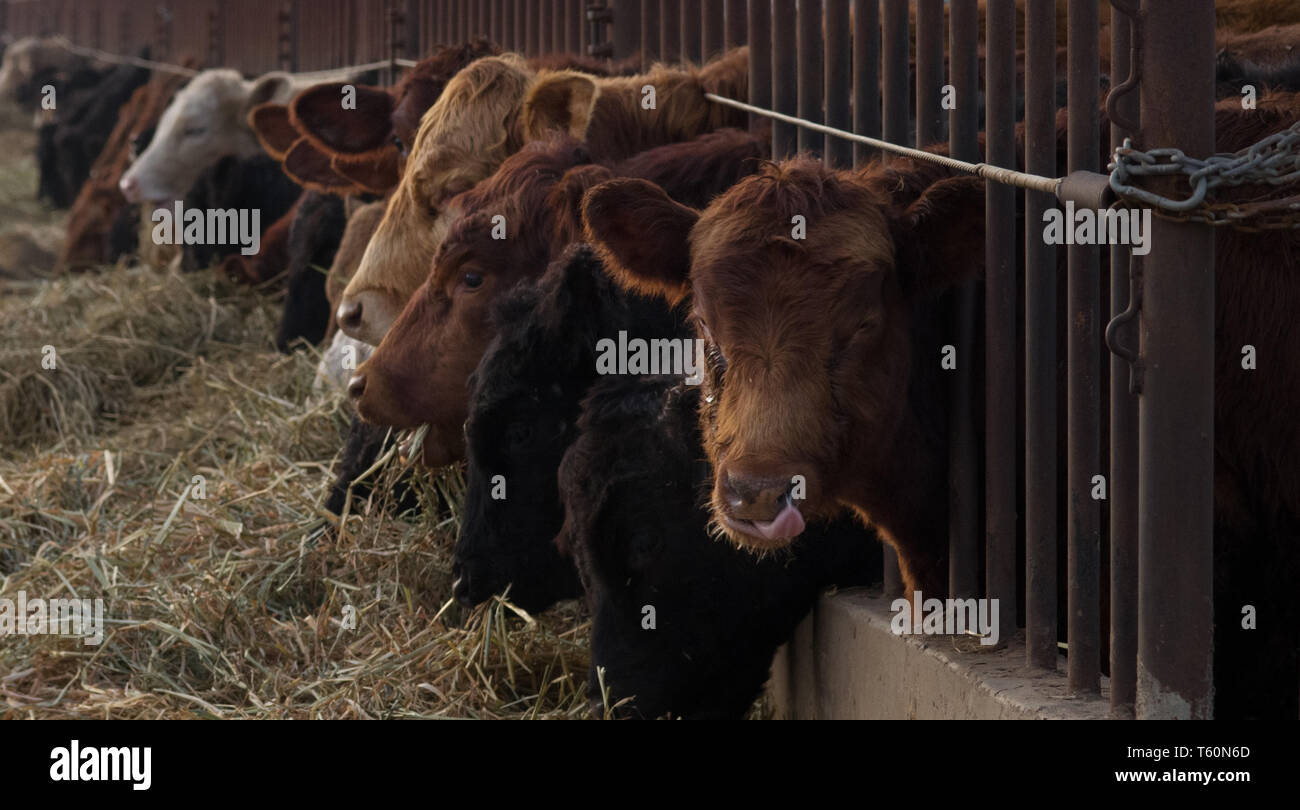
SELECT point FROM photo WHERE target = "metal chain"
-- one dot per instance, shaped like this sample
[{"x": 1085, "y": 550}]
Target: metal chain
[{"x": 1273, "y": 161}]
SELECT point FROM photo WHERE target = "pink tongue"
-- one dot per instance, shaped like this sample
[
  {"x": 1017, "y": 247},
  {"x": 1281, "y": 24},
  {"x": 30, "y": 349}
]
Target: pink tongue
[{"x": 787, "y": 523}]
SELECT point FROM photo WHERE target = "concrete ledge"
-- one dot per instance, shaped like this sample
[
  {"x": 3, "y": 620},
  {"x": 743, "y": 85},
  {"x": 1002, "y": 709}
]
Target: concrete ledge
[{"x": 844, "y": 662}]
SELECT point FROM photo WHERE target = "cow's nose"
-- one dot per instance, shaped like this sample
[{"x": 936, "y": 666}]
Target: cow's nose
[
  {"x": 129, "y": 188},
  {"x": 357, "y": 386},
  {"x": 349, "y": 315},
  {"x": 460, "y": 585},
  {"x": 754, "y": 497}
]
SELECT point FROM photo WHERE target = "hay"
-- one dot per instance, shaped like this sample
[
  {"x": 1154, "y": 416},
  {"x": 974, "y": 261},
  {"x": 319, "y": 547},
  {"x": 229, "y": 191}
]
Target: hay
[{"x": 229, "y": 595}]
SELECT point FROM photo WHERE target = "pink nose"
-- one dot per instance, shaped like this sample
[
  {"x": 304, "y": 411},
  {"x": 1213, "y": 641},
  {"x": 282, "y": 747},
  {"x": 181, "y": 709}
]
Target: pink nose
[{"x": 130, "y": 189}]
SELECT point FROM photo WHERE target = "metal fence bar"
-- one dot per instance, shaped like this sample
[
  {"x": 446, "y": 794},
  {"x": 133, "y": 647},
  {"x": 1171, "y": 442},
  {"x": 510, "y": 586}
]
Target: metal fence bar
[
  {"x": 1083, "y": 409},
  {"x": 895, "y": 80},
  {"x": 1000, "y": 295},
  {"x": 689, "y": 30},
  {"x": 785, "y": 86},
  {"x": 929, "y": 71},
  {"x": 759, "y": 13},
  {"x": 711, "y": 25},
  {"x": 809, "y": 66},
  {"x": 1123, "y": 484},
  {"x": 520, "y": 43},
  {"x": 649, "y": 33},
  {"x": 1176, "y": 406},
  {"x": 735, "y": 13},
  {"x": 670, "y": 37},
  {"x": 866, "y": 83},
  {"x": 963, "y": 473},
  {"x": 1040, "y": 341},
  {"x": 838, "y": 152}
]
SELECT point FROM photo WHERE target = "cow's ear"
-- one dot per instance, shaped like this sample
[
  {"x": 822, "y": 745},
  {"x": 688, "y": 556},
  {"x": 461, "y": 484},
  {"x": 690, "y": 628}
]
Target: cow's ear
[
  {"x": 364, "y": 124},
  {"x": 275, "y": 86},
  {"x": 270, "y": 123},
  {"x": 375, "y": 171},
  {"x": 642, "y": 235},
  {"x": 560, "y": 102},
  {"x": 940, "y": 235},
  {"x": 565, "y": 201},
  {"x": 310, "y": 168}
]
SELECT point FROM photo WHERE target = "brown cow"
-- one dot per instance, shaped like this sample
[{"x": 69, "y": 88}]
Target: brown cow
[
  {"x": 100, "y": 201},
  {"x": 816, "y": 368},
  {"x": 486, "y": 113},
  {"x": 419, "y": 372},
  {"x": 824, "y": 388}
]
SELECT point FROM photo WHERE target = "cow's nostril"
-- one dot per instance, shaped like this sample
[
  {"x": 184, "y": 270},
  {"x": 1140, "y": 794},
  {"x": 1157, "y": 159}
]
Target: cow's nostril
[
  {"x": 755, "y": 498},
  {"x": 357, "y": 386},
  {"x": 349, "y": 314}
]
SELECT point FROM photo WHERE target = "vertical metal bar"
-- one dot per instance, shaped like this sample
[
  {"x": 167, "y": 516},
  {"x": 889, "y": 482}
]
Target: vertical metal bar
[
  {"x": 963, "y": 143},
  {"x": 627, "y": 27},
  {"x": 895, "y": 81},
  {"x": 929, "y": 72},
  {"x": 520, "y": 43},
  {"x": 689, "y": 30},
  {"x": 1123, "y": 484},
  {"x": 573, "y": 13},
  {"x": 1040, "y": 340},
  {"x": 1084, "y": 513},
  {"x": 1000, "y": 294},
  {"x": 558, "y": 25},
  {"x": 736, "y": 14},
  {"x": 1176, "y": 406},
  {"x": 533, "y": 28},
  {"x": 711, "y": 23},
  {"x": 866, "y": 90},
  {"x": 544, "y": 10},
  {"x": 759, "y": 15},
  {"x": 785, "y": 87},
  {"x": 811, "y": 81},
  {"x": 670, "y": 37},
  {"x": 649, "y": 33},
  {"x": 838, "y": 72}
]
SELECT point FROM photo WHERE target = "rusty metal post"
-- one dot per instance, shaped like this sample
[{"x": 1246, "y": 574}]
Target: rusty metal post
[
  {"x": 670, "y": 32},
  {"x": 963, "y": 62},
  {"x": 759, "y": 21},
  {"x": 895, "y": 79},
  {"x": 287, "y": 56},
  {"x": 533, "y": 28},
  {"x": 1123, "y": 484},
  {"x": 929, "y": 73},
  {"x": 711, "y": 26},
  {"x": 1176, "y": 405},
  {"x": 1040, "y": 341},
  {"x": 1084, "y": 349},
  {"x": 735, "y": 14},
  {"x": 558, "y": 9},
  {"x": 963, "y": 472},
  {"x": 866, "y": 93},
  {"x": 649, "y": 33},
  {"x": 627, "y": 27},
  {"x": 785, "y": 86},
  {"x": 573, "y": 13},
  {"x": 811, "y": 80},
  {"x": 689, "y": 30},
  {"x": 838, "y": 68},
  {"x": 1000, "y": 296}
]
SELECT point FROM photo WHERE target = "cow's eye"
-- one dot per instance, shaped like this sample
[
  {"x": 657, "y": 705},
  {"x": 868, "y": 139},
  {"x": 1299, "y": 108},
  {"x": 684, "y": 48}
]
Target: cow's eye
[
  {"x": 194, "y": 132},
  {"x": 473, "y": 281},
  {"x": 401, "y": 147}
]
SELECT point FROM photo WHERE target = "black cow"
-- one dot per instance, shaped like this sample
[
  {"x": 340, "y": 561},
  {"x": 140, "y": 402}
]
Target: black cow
[
  {"x": 683, "y": 624},
  {"x": 242, "y": 184}
]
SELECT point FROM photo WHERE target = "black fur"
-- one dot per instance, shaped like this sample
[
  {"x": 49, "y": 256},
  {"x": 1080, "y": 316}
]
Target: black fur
[{"x": 240, "y": 183}]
